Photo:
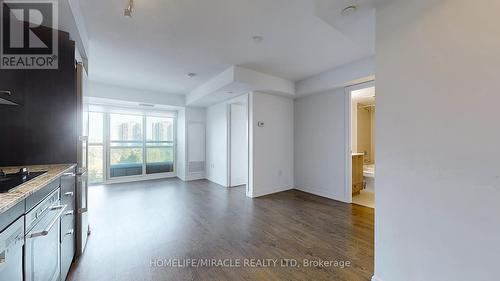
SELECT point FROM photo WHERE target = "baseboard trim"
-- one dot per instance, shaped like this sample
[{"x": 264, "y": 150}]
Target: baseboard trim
[
  {"x": 272, "y": 191},
  {"x": 319, "y": 193},
  {"x": 216, "y": 182},
  {"x": 192, "y": 178},
  {"x": 196, "y": 178}
]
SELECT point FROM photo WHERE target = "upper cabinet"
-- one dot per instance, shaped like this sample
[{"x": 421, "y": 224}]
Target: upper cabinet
[
  {"x": 42, "y": 128},
  {"x": 12, "y": 86}
]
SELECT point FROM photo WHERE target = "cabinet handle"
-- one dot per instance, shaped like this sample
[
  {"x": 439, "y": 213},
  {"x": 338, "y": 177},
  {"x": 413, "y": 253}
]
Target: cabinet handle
[
  {"x": 6, "y": 92},
  {"x": 68, "y": 194},
  {"x": 52, "y": 223},
  {"x": 68, "y": 174},
  {"x": 69, "y": 232},
  {"x": 69, "y": 213}
]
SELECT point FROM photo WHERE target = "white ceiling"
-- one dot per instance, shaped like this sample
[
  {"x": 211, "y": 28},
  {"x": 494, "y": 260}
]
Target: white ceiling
[{"x": 165, "y": 39}]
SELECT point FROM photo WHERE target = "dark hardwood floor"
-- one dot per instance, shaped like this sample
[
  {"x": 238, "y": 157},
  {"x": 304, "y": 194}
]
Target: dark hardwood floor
[{"x": 136, "y": 223}]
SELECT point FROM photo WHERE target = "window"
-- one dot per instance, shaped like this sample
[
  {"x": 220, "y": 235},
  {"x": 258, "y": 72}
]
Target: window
[
  {"x": 96, "y": 147},
  {"x": 125, "y": 144},
  {"x": 159, "y": 145}
]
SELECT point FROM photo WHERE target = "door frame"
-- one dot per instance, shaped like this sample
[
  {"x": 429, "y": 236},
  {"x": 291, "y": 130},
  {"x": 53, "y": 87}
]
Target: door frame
[
  {"x": 228, "y": 139},
  {"x": 348, "y": 136}
]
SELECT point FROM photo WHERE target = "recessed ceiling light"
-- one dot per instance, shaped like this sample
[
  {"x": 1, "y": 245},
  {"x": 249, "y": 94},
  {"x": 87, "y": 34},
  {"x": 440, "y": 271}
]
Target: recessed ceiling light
[
  {"x": 347, "y": 11},
  {"x": 257, "y": 38},
  {"x": 191, "y": 75}
]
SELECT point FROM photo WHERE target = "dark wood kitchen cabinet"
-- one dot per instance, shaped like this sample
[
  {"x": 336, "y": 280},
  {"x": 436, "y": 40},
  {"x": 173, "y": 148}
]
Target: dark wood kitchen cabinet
[
  {"x": 12, "y": 81},
  {"x": 42, "y": 128}
]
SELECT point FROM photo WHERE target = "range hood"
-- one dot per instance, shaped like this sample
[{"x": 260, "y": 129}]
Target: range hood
[{"x": 4, "y": 101}]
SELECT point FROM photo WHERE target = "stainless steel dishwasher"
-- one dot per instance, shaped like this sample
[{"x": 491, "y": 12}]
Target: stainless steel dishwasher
[
  {"x": 11, "y": 251},
  {"x": 42, "y": 244}
]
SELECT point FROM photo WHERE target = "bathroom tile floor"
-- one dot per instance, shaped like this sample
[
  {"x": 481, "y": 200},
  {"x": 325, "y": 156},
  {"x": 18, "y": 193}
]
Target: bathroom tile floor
[{"x": 365, "y": 198}]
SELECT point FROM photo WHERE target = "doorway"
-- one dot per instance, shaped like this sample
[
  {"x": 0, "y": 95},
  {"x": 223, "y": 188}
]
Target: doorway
[
  {"x": 238, "y": 145},
  {"x": 361, "y": 158}
]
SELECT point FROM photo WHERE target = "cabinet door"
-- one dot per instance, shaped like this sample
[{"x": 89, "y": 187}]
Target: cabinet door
[
  {"x": 68, "y": 184},
  {"x": 11, "y": 251},
  {"x": 42, "y": 129},
  {"x": 67, "y": 243},
  {"x": 357, "y": 174},
  {"x": 12, "y": 81}
]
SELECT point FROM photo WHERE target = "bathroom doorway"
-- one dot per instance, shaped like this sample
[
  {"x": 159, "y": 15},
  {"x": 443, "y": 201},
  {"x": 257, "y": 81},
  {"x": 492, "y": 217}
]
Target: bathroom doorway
[{"x": 362, "y": 105}]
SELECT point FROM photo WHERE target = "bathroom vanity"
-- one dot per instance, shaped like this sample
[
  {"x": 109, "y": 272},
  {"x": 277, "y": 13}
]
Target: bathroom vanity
[{"x": 357, "y": 173}]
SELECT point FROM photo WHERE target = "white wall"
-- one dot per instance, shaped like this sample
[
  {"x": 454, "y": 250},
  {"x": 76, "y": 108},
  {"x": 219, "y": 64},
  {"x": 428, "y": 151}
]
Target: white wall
[
  {"x": 438, "y": 176},
  {"x": 181, "y": 144},
  {"x": 259, "y": 81},
  {"x": 108, "y": 91},
  {"x": 217, "y": 143},
  {"x": 320, "y": 144},
  {"x": 217, "y": 117},
  {"x": 354, "y": 126},
  {"x": 271, "y": 146},
  {"x": 239, "y": 144},
  {"x": 191, "y": 143},
  {"x": 195, "y": 143},
  {"x": 236, "y": 81},
  {"x": 346, "y": 75}
]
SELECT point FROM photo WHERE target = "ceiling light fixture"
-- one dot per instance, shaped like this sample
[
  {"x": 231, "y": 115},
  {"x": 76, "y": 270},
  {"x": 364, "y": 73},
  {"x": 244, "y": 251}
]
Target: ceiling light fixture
[
  {"x": 129, "y": 9},
  {"x": 190, "y": 75},
  {"x": 347, "y": 11}
]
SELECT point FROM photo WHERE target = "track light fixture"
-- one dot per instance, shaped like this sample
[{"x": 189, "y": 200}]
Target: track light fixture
[{"x": 129, "y": 9}]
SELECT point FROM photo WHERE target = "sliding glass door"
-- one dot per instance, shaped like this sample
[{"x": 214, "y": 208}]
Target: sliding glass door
[
  {"x": 159, "y": 145},
  {"x": 126, "y": 145}
]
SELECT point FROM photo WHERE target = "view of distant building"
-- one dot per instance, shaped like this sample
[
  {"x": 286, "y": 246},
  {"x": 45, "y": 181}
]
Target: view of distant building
[
  {"x": 123, "y": 131},
  {"x": 136, "y": 132},
  {"x": 130, "y": 131},
  {"x": 160, "y": 131}
]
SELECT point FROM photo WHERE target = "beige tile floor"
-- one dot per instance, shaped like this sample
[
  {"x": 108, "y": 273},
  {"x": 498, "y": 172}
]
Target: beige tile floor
[{"x": 365, "y": 198}]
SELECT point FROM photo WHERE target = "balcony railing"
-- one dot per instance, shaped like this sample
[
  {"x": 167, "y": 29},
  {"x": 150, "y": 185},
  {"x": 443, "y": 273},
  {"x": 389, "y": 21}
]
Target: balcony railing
[{"x": 134, "y": 167}]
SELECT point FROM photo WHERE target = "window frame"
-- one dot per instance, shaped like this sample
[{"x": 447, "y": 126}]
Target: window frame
[
  {"x": 146, "y": 142},
  {"x": 107, "y": 179},
  {"x": 101, "y": 144}
]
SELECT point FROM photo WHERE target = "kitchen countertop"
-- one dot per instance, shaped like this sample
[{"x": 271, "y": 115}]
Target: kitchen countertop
[{"x": 21, "y": 192}]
